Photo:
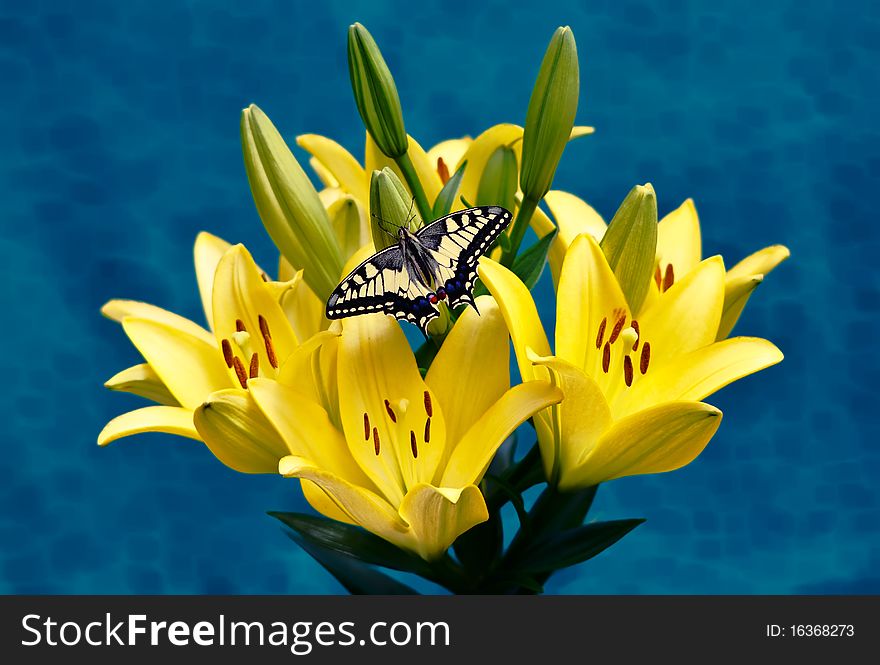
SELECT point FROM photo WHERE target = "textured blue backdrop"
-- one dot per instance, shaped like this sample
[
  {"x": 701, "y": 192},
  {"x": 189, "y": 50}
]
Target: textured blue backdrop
[{"x": 120, "y": 142}]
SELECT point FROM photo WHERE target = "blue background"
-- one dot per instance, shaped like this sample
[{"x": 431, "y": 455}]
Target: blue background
[{"x": 120, "y": 142}]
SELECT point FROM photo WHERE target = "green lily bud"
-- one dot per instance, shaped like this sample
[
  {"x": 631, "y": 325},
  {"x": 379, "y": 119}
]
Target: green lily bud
[
  {"x": 391, "y": 207},
  {"x": 630, "y": 243},
  {"x": 375, "y": 93},
  {"x": 498, "y": 180},
  {"x": 288, "y": 203},
  {"x": 345, "y": 218},
  {"x": 550, "y": 116}
]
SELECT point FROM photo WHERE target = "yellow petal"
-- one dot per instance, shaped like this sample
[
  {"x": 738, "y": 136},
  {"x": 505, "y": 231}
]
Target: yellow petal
[
  {"x": 168, "y": 419},
  {"x": 339, "y": 162},
  {"x": 362, "y": 506},
  {"x": 574, "y": 216},
  {"x": 478, "y": 153},
  {"x": 471, "y": 456},
  {"x": 141, "y": 380},
  {"x": 581, "y": 130},
  {"x": 323, "y": 502},
  {"x": 696, "y": 375},
  {"x": 577, "y": 423},
  {"x": 306, "y": 429},
  {"x": 474, "y": 354},
  {"x": 312, "y": 371},
  {"x": 426, "y": 171},
  {"x": 324, "y": 175},
  {"x": 662, "y": 438},
  {"x": 304, "y": 310},
  {"x": 439, "y": 515},
  {"x": 189, "y": 367},
  {"x": 207, "y": 252},
  {"x": 686, "y": 317},
  {"x": 590, "y": 294},
  {"x": 236, "y": 431},
  {"x": 519, "y": 313},
  {"x": 350, "y": 224},
  {"x": 385, "y": 404},
  {"x": 241, "y": 295},
  {"x": 451, "y": 151},
  {"x": 761, "y": 262},
  {"x": 736, "y": 294},
  {"x": 119, "y": 309},
  {"x": 542, "y": 225},
  {"x": 678, "y": 239}
]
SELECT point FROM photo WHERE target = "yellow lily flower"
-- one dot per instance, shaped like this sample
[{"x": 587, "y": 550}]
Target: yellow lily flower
[
  {"x": 250, "y": 336},
  {"x": 404, "y": 455},
  {"x": 679, "y": 250},
  {"x": 632, "y": 385}
]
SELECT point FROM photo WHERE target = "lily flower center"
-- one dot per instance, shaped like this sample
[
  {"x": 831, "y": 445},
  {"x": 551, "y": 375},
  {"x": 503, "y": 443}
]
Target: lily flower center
[
  {"x": 243, "y": 349},
  {"x": 624, "y": 354}
]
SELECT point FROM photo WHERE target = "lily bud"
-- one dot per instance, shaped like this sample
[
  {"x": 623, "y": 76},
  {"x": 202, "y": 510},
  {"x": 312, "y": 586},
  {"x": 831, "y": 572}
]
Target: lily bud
[
  {"x": 391, "y": 207},
  {"x": 550, "y": 116},
  {"x": 345, "y": 216},
  {"x": 498, "y": 181},
  {"x": 288, "y": 203},
  {"x": 375, "y": 93},
  {"x": 630, "y": 243}
]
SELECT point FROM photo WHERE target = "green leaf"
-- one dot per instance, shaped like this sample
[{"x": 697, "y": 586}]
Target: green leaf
[
  {"x": 572, "y": 546},
  {"x": 630, "y": 243},
  {"x": 357, "y": 577},
  {"x": 478, "y": 548},
  {"x": 446, "y": 197},
  {"x": 352, "y": 541},
  {"x": 528, "y": 266}
]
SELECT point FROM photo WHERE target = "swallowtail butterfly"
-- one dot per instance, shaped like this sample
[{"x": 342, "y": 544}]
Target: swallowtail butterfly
[{"x": 437, "y": 262}]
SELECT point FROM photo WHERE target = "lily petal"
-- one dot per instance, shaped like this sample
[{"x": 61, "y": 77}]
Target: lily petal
[
  {"x": 236, "y": 431},
  {"x": 696, "y": 375},
  {"x": 304, "y": 310},
  {"x": 451, "y": 152},
  {"x": 324, "y": 176},
  {"x": 761, "y": 262},
  {"x": 375, "y": 160},
  {"x": 190, "y": 367},
  {"x": 167, "y": 419},
  {"x": 392, "y": 421},
  {"x": 479, "y": 151},
  {"x": 519, "y": 313},
  {"x": 439, "y": 515},
  {"x": 362, "y": 506},
  {"x": 473, "y": 453},
  {"x": 662, "y": 438},
  {"x": 686, "y": 317},
  {"x": 574, "y": 216},
  {"x": 344, "y": 168},
  {"x": 737, "y": 291},
  {"x": 142, "y": 381},
  {"x": 117, "y": 310},
  {"x": 678, "y": 239},
  {"x": 474, "y": 354},
  {"x": 207, "y": 252},
  {"x": 542, "y": 225}
]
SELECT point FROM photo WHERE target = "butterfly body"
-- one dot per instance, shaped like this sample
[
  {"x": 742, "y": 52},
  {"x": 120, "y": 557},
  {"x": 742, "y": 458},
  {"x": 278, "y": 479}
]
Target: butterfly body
[{"x": 410, "y": 278}]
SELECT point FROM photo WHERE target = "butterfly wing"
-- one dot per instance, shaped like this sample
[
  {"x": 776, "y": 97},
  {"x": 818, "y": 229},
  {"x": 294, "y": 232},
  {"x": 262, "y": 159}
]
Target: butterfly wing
[{"x": 457, "y": 241}]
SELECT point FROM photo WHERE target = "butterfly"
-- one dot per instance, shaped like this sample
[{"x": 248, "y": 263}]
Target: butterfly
[{"x": 436, "y": 263}]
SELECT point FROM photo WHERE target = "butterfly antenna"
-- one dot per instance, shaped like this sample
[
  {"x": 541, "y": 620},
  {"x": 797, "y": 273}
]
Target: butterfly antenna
[{"x": 382, "y": 225}]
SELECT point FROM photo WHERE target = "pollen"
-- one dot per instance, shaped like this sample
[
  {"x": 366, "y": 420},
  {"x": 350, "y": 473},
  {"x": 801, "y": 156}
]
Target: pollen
[
  {"x": 646, "y": 357},
  {"x": 412, "y": 444},
  {"x": 442, "y": 170},
  {"x": 427, "y": 430},
  {"x": 366, "y": 427},
  {"x": 668, "y": 277},
  {"x": 390, "y": 411},
  {"x": 635, "y": 326},
  {"x": 606, "y": 357},
  {"x": 270, "y": 351},
  {"x": 429, "y": 408},
  {"x": 618, "y": 327},
  {"x": 601, "y": 336},
  {"x": 239, "y": 326},
  {"x": 227, "y": 352},
  {"x": 240, "y": 371},
  {"x": 264, "y": 326},
  {"x": 376, "y": 440},
  {"x": 658, "y": 278},
  {"x": 254, "y": 370},
  {"x": 628, "y": 370}
]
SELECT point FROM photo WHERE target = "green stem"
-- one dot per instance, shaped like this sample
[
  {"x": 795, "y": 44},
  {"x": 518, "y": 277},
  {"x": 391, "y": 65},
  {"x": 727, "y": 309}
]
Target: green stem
[
  {"x": 518, "y": 230},
  {"x": 412, "y": 179}
]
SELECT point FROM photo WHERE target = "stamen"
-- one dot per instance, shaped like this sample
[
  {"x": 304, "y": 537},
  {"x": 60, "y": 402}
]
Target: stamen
[
  {"x": 240, "y": 372},
  {"x": 628, "y": 370},
  {"x": 412, "y": 444},
  {"x": 442, "y": 170},
  {"x": 270, "y": 351},
  {"x": 668, "y": 278},
  {"x": 427, "y": 430},
  {"x": 617, "y": 328},
  {"x": 601, "y": 334},
  {"x": 658, "y": 277},
  {"x": 264, "y": 326},
  {"x": 606, "y": 357},
  {"x": 366, "y": 427},
  {"x": 646, "y": 357},
  {"x": 376, "y": 440},
  {"x": 429, "y": 408},
  {"x": 635, "y": 326},
  {"x": 239, "y": 326},
  {"x": 390, "y": 411},
  {"x": 255, "y": 366},
  {"x": 264, "y": 276},
  {"x": 227, "y": 352}
]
